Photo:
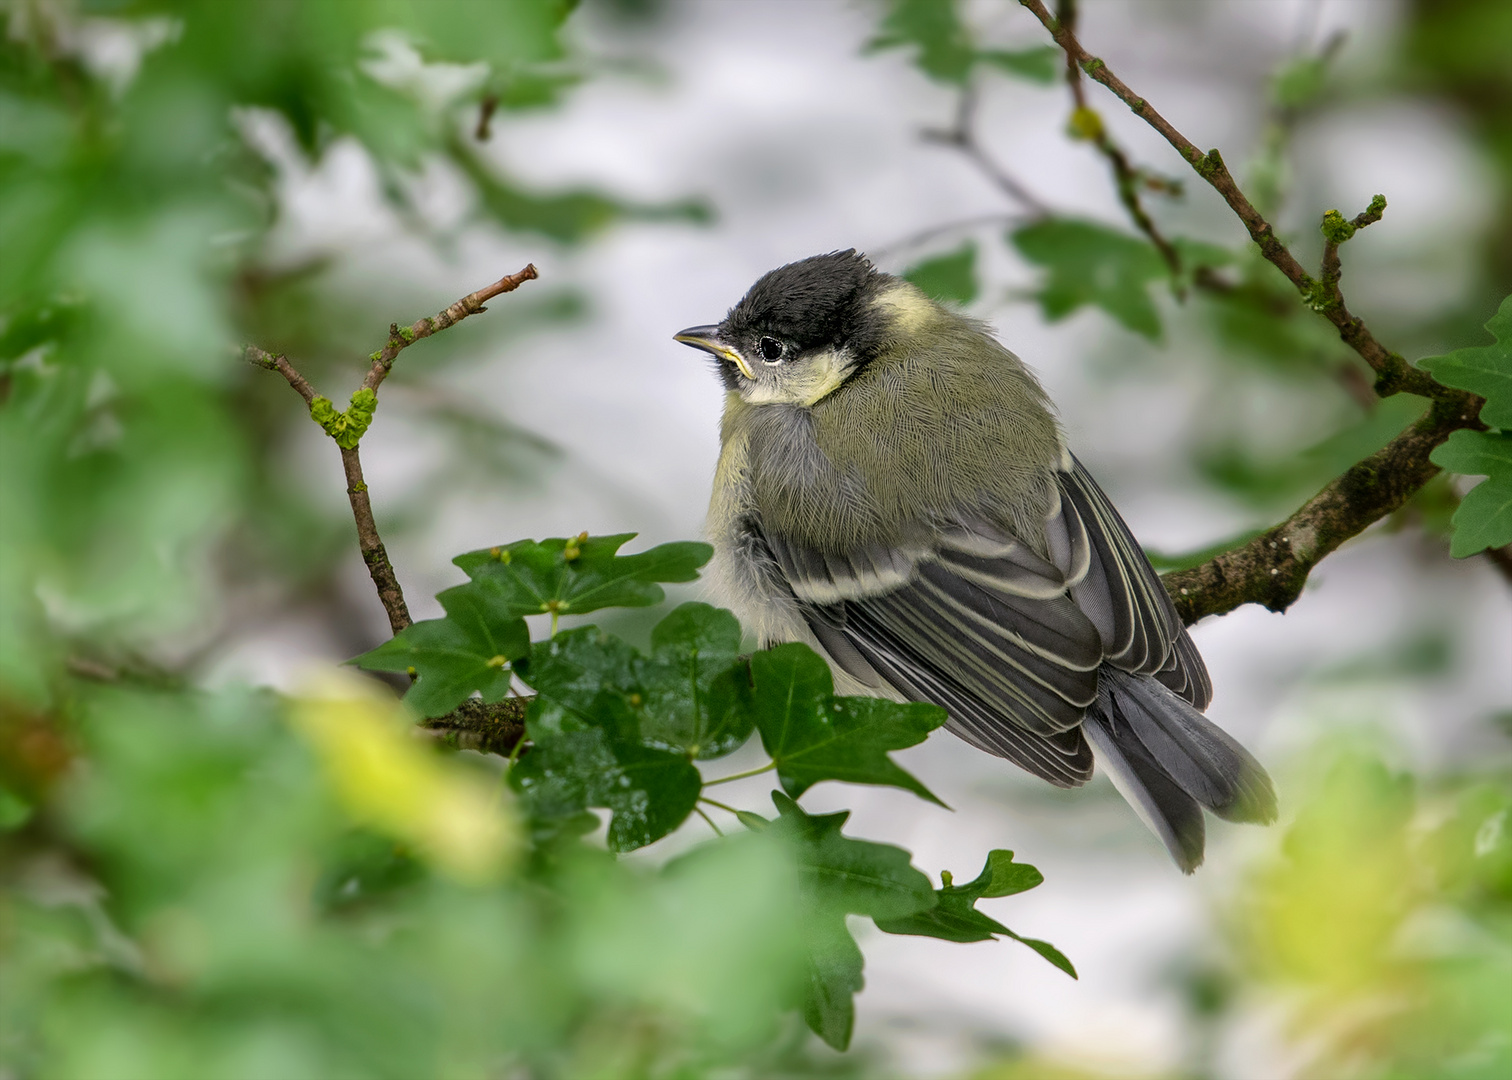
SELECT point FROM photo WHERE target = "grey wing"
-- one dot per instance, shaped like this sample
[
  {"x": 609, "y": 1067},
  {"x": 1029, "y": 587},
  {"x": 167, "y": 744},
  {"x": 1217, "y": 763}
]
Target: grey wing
[
  {"x": 979, "y": 623},
  {"x": 1123, "y": 596},
  {"x": 975, "y": 621}
]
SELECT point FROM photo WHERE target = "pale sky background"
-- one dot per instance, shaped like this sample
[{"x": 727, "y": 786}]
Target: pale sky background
[{"x": 802, "y": 145}]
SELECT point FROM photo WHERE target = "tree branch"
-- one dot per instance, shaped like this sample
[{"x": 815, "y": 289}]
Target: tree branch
[
  {"x": 1393, "y": 373},
  {"x": 1272, "y": 568},
  {"x": 1085, "y": 123},
  {"x": 473, "y": 725},
  {"x": 401, "y": 337},
  {"x": 488, "y": 729}
]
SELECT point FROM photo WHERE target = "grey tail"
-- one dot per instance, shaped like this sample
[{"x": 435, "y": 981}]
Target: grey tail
[{"x": 1170, "y": 762}]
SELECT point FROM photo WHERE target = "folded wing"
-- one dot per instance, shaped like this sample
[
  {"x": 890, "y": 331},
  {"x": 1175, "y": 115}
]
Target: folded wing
[{"x": 1007, "y": 640}]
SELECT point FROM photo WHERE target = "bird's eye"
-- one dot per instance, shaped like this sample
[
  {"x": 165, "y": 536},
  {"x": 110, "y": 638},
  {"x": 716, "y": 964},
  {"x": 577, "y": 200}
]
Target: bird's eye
[{"x": 770, "y": 349}]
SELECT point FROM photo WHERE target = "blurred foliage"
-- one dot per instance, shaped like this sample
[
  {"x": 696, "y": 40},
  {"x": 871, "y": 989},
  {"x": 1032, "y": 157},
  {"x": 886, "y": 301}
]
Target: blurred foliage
[
  {"x": 945, "y": 48},
  {"x": 950, "y": 278},
  {"x": 1459, "y": 49},
  {"x": 1383, "y": 922}
]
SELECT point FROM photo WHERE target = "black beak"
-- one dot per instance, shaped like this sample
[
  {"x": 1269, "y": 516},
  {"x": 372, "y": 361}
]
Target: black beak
[{"x": 707, "y": 338}]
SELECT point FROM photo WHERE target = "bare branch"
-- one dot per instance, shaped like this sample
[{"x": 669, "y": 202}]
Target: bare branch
[
  {"x": 390, "y": 595},
  {"x": 348, "y": 436},
  {"x": 253, "y": 355},
  {"x": 1393, "y": 373},
  {"x": 401, "y": 337},
  {"x": 962, "y": 136},
  {"x": 1126, "y": 178}
]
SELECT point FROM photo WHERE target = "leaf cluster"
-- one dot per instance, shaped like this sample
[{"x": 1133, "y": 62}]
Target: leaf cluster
[
  {"x": 1484, "y": 518},
  {"x": 612, "y": 728},
  {"x": 945, "y": 47}
]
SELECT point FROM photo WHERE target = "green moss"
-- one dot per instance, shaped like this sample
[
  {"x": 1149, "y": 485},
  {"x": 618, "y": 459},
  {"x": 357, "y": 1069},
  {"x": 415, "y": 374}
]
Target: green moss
[
  {"x": 407, "y": 334},
  {"x": 1209, "y": 164},
  {"x": 348, "y": 427},
  {"x": 1091, "y": 65},
  {"x": 1336, "y": 229}
]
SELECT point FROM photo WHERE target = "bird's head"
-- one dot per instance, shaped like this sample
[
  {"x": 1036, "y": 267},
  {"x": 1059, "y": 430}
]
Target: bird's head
[{"x": 806, "y": 327}]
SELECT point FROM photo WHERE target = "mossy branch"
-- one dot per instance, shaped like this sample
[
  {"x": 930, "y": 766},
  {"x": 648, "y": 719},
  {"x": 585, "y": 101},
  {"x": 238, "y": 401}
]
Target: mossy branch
[
  {"x": 1273, "y": 568},
  {"x": 1394, "y": 374},
  {"x": 474, "y": 725}
]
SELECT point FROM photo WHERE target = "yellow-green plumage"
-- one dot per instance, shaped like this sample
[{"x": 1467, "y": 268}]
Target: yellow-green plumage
[{"x": 893, "y": 490}]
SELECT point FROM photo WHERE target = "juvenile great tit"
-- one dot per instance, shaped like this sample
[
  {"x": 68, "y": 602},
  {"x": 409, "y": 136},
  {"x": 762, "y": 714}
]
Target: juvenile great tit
[{"x": 894, "y": 490}]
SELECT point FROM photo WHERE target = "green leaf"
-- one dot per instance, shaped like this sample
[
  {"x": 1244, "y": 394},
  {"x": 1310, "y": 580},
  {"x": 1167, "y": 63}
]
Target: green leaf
[
  {"x": 1484, "y": 517},
  {"x": 839, "y": 876},
  {"x": 945, "y": 51},
  {"x": 1038, "y": 64},
  {"x": 949, "y": 277},
  {"x": 1484, "y": 369},
  {"x": 587, "y": 748},
  {"x": 581, "y": 574},
  {"x": 1299, "y": 81},
  {"x": 1088, "y": 263},
  {"x": 697, "y": 687},
  {"x": 569, "y": 216},
  {"x": 812, "y": 735},
  {"x": 466, "y": 651},
  {"x": 955, "y": 917},
  {"x": 14, "y": 810},
  {"x": 692, "y": 695}
]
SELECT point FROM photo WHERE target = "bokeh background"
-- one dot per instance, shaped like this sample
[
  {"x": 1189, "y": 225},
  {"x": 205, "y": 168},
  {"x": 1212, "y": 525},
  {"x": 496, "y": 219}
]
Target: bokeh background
[{"x": 669, "y": 154}]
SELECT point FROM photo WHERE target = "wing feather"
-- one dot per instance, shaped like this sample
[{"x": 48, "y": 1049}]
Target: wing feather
[
  {"x": 1008, "y": 640},
  {"x": 1125, "y": 599}
]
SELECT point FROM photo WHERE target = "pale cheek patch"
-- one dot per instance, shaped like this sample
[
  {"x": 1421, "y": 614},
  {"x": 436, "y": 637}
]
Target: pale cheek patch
[{"x": 806, "y": 382}]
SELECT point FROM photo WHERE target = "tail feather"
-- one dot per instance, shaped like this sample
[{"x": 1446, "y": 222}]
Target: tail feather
[
  {"x": 1195, "y": 752},
  {"x": 1168, "y": 811},
  {"x": 1169, "y": 760}
]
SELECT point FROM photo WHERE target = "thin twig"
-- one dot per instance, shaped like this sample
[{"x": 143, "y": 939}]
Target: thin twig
[
  {"x": 279, "y": 363},
  {"x": 380, "y": 569},
  {"x": 710, "y": 821},
  {"x": 400, "y": 338},
  {"x": 1393, "y": 373},
  {"x": 962, "y": 136},
  {"x": 922, "y": 236},
  {"x": 1126, "y": 178},
  {"x": 373, "y": 552}
]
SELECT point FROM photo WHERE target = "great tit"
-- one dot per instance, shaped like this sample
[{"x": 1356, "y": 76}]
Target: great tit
[{"x": 893, "y": 489}]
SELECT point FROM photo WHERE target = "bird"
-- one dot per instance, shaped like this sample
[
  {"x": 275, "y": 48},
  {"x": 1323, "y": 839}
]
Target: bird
[{"x": 893, "y": 489}]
